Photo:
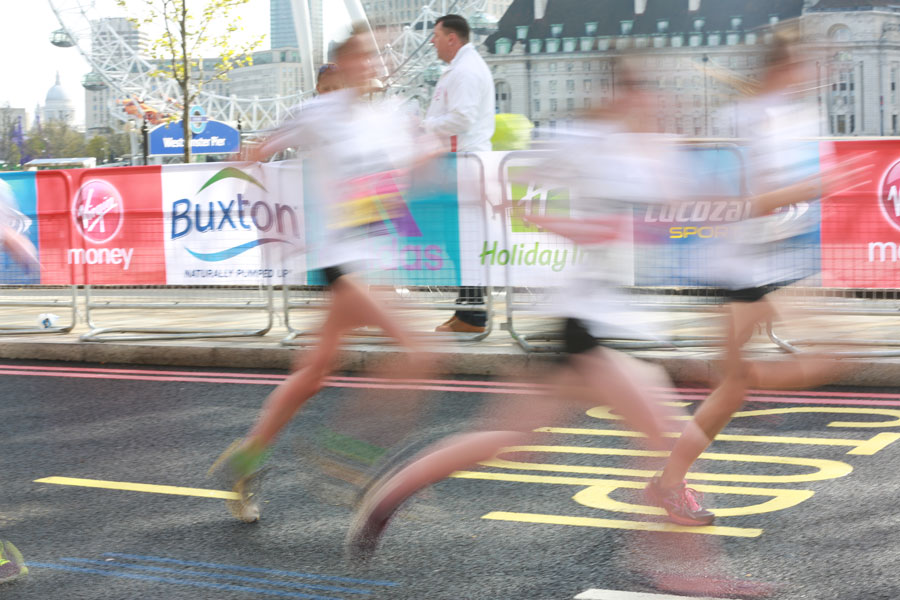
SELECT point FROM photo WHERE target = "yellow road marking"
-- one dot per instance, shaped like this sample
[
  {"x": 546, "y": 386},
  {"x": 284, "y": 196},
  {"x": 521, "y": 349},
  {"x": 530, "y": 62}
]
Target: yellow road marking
[
  {"x": 824, "y": 468},
  {"x": 140, "y": 487},
  {"x": 859, "y": 447},
  {"x": 605, "y": 412},
  {"x": 621, "y": 524}
]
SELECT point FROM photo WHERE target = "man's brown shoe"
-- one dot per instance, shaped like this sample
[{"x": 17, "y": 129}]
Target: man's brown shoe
[
  {"x": 445, "y": 326},
  {"x": 455, "y": 325}
]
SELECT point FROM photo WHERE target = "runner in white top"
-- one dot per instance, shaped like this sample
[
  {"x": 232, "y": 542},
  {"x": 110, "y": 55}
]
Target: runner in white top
[
  {"x": 12, "y": 224},
  {"x": 360, "y": 154},
  {"x": 760, "y": 259},
  {"x": 637, "y": 167}
]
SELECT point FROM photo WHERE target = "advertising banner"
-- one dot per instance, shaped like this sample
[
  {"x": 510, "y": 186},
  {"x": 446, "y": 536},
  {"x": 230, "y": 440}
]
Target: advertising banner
[
  {"x": 101, "y": 226},
  {"x": 512, "y": 248},
  {"x": 861, "y": 231},
  {"x": 233, "y": 223},
  {"x": 26, "y": 223}
]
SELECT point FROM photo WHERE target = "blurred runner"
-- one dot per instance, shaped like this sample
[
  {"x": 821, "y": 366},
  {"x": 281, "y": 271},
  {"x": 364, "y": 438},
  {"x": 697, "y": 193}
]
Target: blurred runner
[
  {"x": 12, "y": 225},
  {"x": 762, "y": 254},
  {"x": 610, "y": 163},
  {"x": 360, "y": 153}
]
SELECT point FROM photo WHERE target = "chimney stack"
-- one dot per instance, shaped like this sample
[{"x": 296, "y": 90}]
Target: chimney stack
[
  {"x": 540, "y": 7},
  {"x": 640, "y": 6}
]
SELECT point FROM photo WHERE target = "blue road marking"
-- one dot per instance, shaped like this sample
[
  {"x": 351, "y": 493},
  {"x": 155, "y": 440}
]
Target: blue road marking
[
  {"x": 208, "y": 565},
  {"x": 156, "y": 579},
  {"x": 256, "y": 580}
]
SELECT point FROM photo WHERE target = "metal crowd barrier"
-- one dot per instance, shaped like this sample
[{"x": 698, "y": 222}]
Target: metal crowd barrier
[
  {"x": 408, "y": 297},
  {"x": 62, "y": 299},
  {"x": 221, "y": 302},
  {"x": 525, "y": 304}
]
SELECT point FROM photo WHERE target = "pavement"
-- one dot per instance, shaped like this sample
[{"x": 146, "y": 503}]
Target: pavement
[{"x": 876, "y": 359}]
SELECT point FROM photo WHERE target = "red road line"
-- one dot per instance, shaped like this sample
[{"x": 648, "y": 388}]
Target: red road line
[
  {"x": 274, "y": 377},
  {"x": 376, "y": 386},
  {"x": 788, "y": 397}
]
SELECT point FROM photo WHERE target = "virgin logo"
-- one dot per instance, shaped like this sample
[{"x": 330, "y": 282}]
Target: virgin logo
[
  {"x": 98, "y": 211},
  {"x": 889, "y": 195}
]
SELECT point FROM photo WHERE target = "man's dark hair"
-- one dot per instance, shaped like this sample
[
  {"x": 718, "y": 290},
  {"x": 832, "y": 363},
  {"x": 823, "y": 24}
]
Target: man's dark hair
[{"x": 456, "y": 24}]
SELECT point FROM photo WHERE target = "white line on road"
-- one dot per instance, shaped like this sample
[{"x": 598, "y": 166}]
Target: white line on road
[{"x": 618, "y": 595}]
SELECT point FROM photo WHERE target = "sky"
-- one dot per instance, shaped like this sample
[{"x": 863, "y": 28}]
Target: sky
[{"x": 31, "y": 61}]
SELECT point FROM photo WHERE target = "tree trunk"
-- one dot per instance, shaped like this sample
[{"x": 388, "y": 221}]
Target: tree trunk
[{"x": 186, "y": 85}]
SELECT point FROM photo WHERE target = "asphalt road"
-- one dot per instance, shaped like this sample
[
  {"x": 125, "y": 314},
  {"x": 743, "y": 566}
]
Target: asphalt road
[{"x": 805, "y": 506}]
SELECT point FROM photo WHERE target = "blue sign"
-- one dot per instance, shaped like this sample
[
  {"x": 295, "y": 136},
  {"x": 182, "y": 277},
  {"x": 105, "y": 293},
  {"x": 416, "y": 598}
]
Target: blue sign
[
  {"x": 215, "y": 137},
  {"x": 198, "y": 119}
]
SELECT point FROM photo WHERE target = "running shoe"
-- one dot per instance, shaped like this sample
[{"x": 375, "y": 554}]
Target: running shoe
[
  {"x": 242, "y": 477},
  {"x": 12, "y": 565},
  {"x": 681, "y": 503},
  {"x": 371, "y": 520}
]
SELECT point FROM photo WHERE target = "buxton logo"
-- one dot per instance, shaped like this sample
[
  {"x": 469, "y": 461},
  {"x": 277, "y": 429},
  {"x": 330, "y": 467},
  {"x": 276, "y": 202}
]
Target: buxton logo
[
  {"x": 236, "y": 215},
  {"x": 98, "y": 211}
]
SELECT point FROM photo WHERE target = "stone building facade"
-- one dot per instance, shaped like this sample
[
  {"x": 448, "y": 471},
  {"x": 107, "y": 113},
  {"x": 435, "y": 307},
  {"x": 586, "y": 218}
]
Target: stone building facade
[{"x": 553, "y": 59}]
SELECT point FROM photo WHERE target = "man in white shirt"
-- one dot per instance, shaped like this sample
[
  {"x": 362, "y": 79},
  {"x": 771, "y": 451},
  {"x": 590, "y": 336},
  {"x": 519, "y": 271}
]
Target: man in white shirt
[{"x": 461, "y": 115}]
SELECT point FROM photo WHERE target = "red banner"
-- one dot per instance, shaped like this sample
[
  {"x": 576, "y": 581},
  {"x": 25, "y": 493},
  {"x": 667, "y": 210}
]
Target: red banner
[
  {"x": 861, "y": 229},
  {"x": 102, "y": 226}
]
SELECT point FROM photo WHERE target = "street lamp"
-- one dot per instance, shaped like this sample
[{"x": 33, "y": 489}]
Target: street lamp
[{"x": 705, "y": 99}]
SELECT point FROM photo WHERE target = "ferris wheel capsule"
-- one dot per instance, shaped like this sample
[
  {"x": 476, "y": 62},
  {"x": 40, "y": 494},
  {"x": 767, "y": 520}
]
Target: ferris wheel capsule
[{"x": 61, "y": 39}]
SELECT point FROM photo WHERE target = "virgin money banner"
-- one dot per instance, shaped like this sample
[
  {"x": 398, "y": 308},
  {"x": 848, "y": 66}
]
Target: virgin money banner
[
  {"x": 861, "y": 231},
  {"x": 101, "y": 226}
]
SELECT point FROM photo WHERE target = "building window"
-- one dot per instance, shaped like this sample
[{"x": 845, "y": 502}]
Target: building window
[
  {"x": 556, "y": 29},
  {"x": 662, "y": 26},
  {"x": 552, "y": 44},
  {"x": 570, "y": 67},
  {"x": 534, "y": 45},
  {"x": 773, "y": 19},
  {"x": 553, "y": 67},
  {"x": 625, "y": 27},
  {"x": 603, "y": 43},
  {"x": 713, "y": 39},
  {"x": 502, "y": 46},
  {"x": 586, "y": 65},
  {"x": 570, "y": 103},
  {"x": 522, "y": 32},
  {"x": 553, "y": 86},
  {"x": 659, "y": 41},
  {"x": 536, "y": 87},
  {"x": 695, "y": 40},
  {"x": 750, "y": 39},
  {"x": 894, "y": 124},
  {"x": 569, "y": 44},
  {"x": 841, "y": 127},
  {"x": 677, "y": 41},
  {"x": 553, "y": 105},
  {"x": 641, "y": 41},
  {"x": 537, "y": 106},
  {"x": 839, "y": 33},
  {"x": 699, "y": 24},
  {"x": 736, "y": 23},
  {"x": 587, "y": 44},
  {"x": 570, "y": 85},
  {"x": 733, "y": 39},
  {"x": 587, "y": 106},
  {"x": 588, "y": 84},
  {"x": 590, "y": 28}
]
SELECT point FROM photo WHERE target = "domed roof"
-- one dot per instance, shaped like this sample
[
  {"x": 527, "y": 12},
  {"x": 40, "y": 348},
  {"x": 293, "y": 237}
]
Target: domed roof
[{"x": 57, "y": 94}]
